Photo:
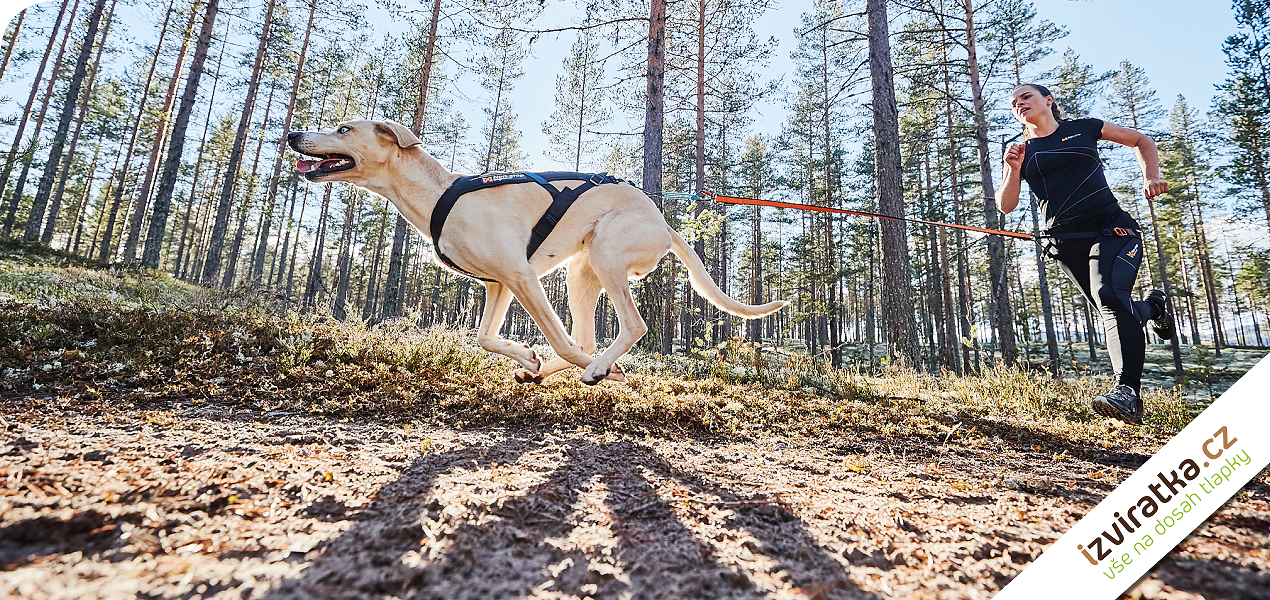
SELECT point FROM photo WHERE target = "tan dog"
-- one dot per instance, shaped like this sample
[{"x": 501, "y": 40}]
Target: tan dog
[{"x": 612, "y": 234}]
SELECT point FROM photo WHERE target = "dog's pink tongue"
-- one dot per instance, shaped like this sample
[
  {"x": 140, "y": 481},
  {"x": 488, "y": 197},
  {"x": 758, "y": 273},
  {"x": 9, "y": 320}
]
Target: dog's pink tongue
[{"x": 304, "y": 166}]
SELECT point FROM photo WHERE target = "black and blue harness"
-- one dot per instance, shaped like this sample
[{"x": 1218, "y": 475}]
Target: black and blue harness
[{"x": 561, "y": 200}]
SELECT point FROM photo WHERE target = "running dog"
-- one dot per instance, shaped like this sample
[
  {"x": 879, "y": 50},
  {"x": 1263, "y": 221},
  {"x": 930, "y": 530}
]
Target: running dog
[{"x": 612, "y": 234}]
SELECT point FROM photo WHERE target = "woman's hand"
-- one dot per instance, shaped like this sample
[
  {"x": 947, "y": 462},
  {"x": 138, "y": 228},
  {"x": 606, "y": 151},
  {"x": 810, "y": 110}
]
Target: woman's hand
[
  {"x": 1014, "y": 157},
  {"x": 1008, "y": 193},
  {"x": 1154, "y": 187}
]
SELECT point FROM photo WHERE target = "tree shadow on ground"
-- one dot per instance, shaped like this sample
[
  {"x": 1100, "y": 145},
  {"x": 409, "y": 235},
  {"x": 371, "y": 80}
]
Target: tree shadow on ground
[
  {"x": 604, "y": 520},
  {"x": 1213, "y": 578}
]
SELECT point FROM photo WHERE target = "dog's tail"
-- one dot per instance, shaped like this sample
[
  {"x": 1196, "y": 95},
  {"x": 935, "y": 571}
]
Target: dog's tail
[{"x": 706, "y": 286}]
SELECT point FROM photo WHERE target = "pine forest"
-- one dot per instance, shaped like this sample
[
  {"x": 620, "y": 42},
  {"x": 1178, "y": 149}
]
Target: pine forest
[{"x": 153, "y": 135}]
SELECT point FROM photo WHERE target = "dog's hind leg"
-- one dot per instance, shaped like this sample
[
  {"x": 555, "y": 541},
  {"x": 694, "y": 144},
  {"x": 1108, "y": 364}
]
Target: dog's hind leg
[
  {"x": 584, "y": 292},
  {"x": 613, "y": 275},
  {"x": 497, "y": 299},
  {"x": 528, "y": 290}
]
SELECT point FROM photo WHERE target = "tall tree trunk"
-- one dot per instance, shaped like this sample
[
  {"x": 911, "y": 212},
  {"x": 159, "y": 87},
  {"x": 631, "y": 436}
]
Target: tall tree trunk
[
  {"x": 35, "y": 220},
  {"x": 172, "y": 163},
  {"x": 72, "y": 239},
  {"x": 258, "y": 261},
  {"x": 231, "y": 267},
  {"x": 26, "y": 115},
  {"x": 1178, "y": 371},
  {"x": 211, "y": 267},
  {"x": 13, "y": 41},
  {"x": 345, "y": 255},
  {"x": 493, "y": 120},
  {"x": 108, "y": 239},
  {"x": 372, "y": 289},
  {"x": 82, "y": 111},
  {"x": 28, "y": 156},
  {"x": 698, "y": 316},
  {"x": 1205, "y": 264},
  {"x": 295, "y": 250},
  {"x": 1162, "y": 260},
  {"x": 662, "y": 329},
  {"x": 314, "y": 283},
  {"x": 755, "y": 326},
  {"x": 156, "y": 146},
  {"x": 898, "y": 300},
  {"x": 1002, "y": 316},
  {"x": 279, "y": 258},
  {"x": 106, "y": 194},
  {"x": 1051, "y": 336},
  {"x": 396, "y": 262}
]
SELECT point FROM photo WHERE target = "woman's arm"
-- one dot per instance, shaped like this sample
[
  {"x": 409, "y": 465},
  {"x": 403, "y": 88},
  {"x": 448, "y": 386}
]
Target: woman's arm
[
  {"x": 1148, "y": 156},
  {"x": 1008, "y": 193}
]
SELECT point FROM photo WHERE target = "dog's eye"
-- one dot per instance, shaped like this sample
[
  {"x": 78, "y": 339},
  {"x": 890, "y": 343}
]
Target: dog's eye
[{"x": 344, "y": 129}]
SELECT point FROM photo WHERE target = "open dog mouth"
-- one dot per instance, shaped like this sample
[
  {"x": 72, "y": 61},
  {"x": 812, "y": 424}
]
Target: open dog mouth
[{"x": 326, "y": 164}]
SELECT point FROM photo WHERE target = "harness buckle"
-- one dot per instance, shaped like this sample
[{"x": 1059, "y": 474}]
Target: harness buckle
[
  {"x": 1120, "y": 231},
  {"x": 598, "y": 178}
]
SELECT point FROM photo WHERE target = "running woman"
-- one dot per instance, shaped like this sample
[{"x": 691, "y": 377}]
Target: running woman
[{"x": 1097, "y": 244}]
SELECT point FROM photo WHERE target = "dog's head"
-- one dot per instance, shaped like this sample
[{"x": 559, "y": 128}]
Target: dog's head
[{"x": 355, "y": 151}]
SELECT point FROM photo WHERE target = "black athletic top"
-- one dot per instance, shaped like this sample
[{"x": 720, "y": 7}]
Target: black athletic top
[{"x": 1064, "y": 172}]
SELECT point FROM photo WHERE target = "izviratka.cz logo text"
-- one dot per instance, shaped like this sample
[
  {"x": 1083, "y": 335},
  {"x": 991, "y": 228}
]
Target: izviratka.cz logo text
[{"x": 1170, "y": 487}]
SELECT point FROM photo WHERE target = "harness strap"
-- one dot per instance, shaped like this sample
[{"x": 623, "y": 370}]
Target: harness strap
[
  {"x": 561, "y": 201},
  {"x": 1110, "y": 232}
]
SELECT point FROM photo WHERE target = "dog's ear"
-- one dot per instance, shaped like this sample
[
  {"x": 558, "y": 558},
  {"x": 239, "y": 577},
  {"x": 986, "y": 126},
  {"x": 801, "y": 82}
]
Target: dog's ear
[{"x": 398, "y": 133}]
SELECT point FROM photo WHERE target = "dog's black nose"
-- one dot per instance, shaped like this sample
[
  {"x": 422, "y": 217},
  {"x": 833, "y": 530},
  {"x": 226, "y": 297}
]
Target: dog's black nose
[{"x": 292, "y": 135}]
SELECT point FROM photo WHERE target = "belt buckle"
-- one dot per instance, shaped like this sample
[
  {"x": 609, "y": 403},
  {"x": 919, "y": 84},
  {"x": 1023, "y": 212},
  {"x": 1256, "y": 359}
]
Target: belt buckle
[
  {"x": 1120, "y": 231},
  {"x": 597, "y": 178}
]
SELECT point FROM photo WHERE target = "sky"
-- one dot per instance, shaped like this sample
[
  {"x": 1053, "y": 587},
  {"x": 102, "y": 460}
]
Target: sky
[{"x": 1178, "y": 43}]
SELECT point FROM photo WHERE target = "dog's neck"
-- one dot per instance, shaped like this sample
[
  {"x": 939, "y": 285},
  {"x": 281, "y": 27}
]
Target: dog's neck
[{"x": 413, "y": 184}]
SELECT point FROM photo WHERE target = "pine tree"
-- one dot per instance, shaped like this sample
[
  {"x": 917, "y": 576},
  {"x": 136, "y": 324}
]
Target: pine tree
[
  {"x": 82, "y": 112},
  {"x": 172, "y": 163},
  {"x": 107, "y": 241},
  {"x": 13, "y": 42},
  {"x": 142, "y": 203},
  {"x": 1245, "y": 105},
  {"x": 1185, "y": 164},
  {"x": 500, "y": 68},
  {"x": 1015, "y": 33},
  {"x": 212, "y": 265},
  {"x": 898, "y": 301},
  {"x": 258, "y": 260},
  {"x": 16, "y": 198},
  {"x": 580, "y": 108}
]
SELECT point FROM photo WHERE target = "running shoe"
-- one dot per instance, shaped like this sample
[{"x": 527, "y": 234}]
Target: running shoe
[
  {"x": 1164, "y": 325},
  {"x": 1120, "y": 403}
]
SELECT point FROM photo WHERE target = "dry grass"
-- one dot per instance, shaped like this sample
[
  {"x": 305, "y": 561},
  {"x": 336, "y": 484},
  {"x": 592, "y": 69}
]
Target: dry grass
[{"x": 110, "y": 340}]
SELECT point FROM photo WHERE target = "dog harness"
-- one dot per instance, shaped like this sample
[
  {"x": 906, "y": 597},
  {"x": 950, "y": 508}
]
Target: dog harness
[{"x": 561, "y": 200}]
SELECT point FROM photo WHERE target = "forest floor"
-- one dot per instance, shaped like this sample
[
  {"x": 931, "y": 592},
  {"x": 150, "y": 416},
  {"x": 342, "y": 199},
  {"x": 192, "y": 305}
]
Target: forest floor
[{"x": 159, "y": 441}]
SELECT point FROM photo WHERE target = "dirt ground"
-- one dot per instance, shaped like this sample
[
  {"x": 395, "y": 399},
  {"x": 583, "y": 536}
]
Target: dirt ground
[{"x": 214, "y": 502}]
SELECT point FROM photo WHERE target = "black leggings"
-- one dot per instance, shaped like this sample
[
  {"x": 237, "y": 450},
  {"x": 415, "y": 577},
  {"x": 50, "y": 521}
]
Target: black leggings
[{"x": 1104, "y": 268}]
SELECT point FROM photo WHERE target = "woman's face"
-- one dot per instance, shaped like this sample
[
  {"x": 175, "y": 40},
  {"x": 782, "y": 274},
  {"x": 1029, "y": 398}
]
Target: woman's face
[{"x": 1029, "y": 106}]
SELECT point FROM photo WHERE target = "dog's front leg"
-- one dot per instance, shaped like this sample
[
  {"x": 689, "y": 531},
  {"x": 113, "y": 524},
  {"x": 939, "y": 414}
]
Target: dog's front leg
[
  {"x": 529, "y": 291},
  {"x": 497, "y": 299}
]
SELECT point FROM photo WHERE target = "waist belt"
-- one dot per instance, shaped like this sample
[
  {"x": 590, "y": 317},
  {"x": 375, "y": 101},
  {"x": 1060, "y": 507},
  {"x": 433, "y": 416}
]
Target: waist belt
[
  {"x": 1109, "y": 232},
  {"x": 561, "y": 200}
]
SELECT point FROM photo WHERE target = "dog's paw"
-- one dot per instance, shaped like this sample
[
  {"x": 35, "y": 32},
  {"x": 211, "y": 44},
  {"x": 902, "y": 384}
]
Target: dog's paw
[
  {"x": 533, "y": 356},
  {"x": 526, "y": 376},
  {"x": 596, "y": 378},
  {"x": 616, "y": 374}
]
